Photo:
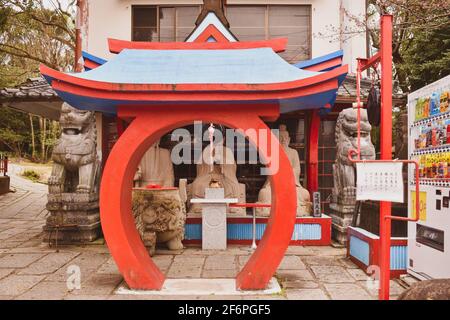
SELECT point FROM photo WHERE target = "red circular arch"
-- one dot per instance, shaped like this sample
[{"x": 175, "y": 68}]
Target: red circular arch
[{"x": 118, "y": 225}]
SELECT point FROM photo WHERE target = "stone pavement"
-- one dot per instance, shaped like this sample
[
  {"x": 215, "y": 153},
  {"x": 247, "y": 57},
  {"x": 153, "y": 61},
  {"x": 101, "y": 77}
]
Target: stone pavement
[{"x": 30, "y": 269}]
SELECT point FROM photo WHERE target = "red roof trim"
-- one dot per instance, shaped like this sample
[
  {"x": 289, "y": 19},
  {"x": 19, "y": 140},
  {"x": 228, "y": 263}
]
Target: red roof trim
[
  {"x": 325, "y": 65},
  {"x": 99, "y": 85},
  {"x": 330, "y": 84},
  {"x": 116, "y": 46},
  {"x": 211, "y": 31},
  {"x": 90, "y": 64}
]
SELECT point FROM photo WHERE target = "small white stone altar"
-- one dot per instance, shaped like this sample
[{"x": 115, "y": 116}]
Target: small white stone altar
[{"x": 214, "y": 218}]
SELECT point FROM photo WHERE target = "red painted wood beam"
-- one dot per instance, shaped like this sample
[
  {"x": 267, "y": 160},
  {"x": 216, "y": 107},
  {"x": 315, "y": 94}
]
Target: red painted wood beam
[
  {"x": 367, "y": 63},
  {"x": 312, "y": 161},
  {"x": 116, "y": 46}
]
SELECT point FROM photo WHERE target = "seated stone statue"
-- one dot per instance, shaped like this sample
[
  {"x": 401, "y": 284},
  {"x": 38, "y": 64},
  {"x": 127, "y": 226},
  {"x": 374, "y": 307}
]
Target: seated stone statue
[
  {"x": 221, "y": 171},
  {"x": 304, "y": 205},
  {"x": 155, "y": 168}
]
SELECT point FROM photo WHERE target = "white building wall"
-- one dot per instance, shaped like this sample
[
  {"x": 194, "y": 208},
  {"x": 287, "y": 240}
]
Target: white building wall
[
  {"x": 354, "y": 39},
  {"x": 112, "y": 19}
]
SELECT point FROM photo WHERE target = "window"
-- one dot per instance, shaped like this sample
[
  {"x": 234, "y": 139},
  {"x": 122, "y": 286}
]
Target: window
[
  {"x": 163, "y": 24},
  {"x": 274, "y": 21},
  {"x": 144, "y": 23}
]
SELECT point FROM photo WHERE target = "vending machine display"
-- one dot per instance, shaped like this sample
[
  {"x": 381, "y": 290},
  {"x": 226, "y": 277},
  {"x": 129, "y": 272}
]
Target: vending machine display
[{"x": 429, "y": 144}]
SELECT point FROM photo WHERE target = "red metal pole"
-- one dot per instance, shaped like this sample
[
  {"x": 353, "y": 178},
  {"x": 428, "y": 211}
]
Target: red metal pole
[
  {"x": 312, "y": 168},
  {"x": 386, "y": 150}
]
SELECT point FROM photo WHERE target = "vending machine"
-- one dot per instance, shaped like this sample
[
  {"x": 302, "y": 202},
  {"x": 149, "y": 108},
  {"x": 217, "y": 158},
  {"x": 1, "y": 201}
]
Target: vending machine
[{"x": 429, "y": 144}]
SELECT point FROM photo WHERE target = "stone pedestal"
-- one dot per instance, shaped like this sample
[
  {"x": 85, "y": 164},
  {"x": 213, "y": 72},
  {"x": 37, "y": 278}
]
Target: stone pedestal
[
  {"x": 214, "y": 218},
  {"x": 74, "y": 218},
  {"x": 4, "y": 184},
  {"x": 341, "y": 217}
]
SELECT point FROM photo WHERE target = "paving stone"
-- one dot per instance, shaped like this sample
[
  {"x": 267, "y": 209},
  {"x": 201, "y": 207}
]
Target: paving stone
[
  {"x": 9, "y": 244},
  {"x": 291, "y": 263},
  {"x": 299, "y": 284},
  {"x": 36, "y": 249},
  {"x": 85, "y": 297},
  {"x": 358, "y": 274},
  {"x": 188, "y": 262},
  {"x": 14, "y": 285},
  {"x": 264, "y": 297},
  {"x": 49, "y": 264},
  {"x": 109, "y": 267},
  {"x": 99, "y": 284},
  {"x": 5, "y": 272},
  {"x": 300, "y": 251},
  {"x": 331, "y": 274},
  {"x": 25, "y": 236},
  {"x": 395, "y": 289},
  {"x": 219, "y": 273},
  {"x": 320, "y": 261},
  {"x": 347, "y": 263},
  {"x": 294, "y": 275},
  {"x": 346, "y": 291},
  {"x": 330, "y": 251},
  {"x": 45, "y": 290},
  {"x": 167, "y": 252},
  {"x": 306, "y": 294},
  {"x": 179, "y": 271},
  {"x": 87, "y": 262},
  {"x": 219, "y": 297},
  {"x": 163, "y": 262},
  {"x": 19, "y": 260},
  {"x": 220, "y": 263},
  {"x": 242, "y": 260},
  {"x": 140, "y": 297}
]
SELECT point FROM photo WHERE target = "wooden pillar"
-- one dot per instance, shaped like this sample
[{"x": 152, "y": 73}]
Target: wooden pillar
[{"x": 312, "y": 154}]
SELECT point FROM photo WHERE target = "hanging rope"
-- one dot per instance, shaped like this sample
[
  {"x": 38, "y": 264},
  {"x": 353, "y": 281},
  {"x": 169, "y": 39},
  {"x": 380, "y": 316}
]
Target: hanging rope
[{"x": 211, "y": 146}]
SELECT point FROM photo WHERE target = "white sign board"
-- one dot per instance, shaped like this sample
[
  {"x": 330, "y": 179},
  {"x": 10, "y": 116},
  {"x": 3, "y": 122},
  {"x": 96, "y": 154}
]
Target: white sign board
[{"x": 380, "y": 181}]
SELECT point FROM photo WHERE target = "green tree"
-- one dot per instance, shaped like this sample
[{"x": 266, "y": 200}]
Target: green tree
[
  {"x": 427, "y": 59},
  {"x": 420, "y": 37},
  {"x": 30, "y": 34},
  {"x": 14, "y": 132}
]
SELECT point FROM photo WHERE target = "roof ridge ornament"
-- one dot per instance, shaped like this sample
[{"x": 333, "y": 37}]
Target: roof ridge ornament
[{"x": 215, "y": 6}]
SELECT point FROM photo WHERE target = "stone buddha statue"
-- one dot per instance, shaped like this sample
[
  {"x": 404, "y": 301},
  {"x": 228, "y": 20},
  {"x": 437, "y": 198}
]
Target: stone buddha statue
[
  {"x": 304, "y": 205},
  {"x": 155, "y": 168},
  {"x": 217, "y": 167}
]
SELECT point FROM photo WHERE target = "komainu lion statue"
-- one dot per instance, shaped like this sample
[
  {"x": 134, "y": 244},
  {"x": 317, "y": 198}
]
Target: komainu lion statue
[
  {"x": 76, "y": 164},
  {"x": 346, "y": 137},
  {"x": 160, "y": 216}
]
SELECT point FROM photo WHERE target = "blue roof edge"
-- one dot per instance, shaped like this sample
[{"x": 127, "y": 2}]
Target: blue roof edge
[
  {"x": 321, "y": 59},
  {"x": 88, "y": 56}
]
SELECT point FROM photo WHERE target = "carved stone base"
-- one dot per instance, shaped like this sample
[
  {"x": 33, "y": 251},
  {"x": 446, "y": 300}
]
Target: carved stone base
[
  {"x": 341, "y": 217},
  {"x": 160, "y": 216},
  {"x": 4, "y": 184},
  {"x": 74, "y": 218}
]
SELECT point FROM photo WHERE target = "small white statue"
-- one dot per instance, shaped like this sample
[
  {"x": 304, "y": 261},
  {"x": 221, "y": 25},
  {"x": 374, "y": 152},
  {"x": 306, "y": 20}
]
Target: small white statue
[{"x": 304, "y": 205}]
